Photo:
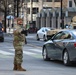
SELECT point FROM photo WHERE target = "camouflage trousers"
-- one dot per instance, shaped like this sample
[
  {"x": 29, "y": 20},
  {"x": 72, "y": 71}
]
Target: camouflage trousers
[{"x": 18, "y": 55}]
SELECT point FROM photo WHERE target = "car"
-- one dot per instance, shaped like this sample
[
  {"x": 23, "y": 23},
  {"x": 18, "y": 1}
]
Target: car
[
  {"x": 1, "y": 33},
  {"x": 52, "y": 33},
  {"x": 62, "y": 46},
  {"x": 42, "y": 33}
]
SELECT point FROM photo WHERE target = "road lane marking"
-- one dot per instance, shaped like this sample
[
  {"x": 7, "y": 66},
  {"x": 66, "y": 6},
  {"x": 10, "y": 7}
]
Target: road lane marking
[
  {"x": 5, "y": 53},
  {"x": 28, "y": 53},
  {"x": 36, "y": 50},
  {"x": 33, "y": 53}
]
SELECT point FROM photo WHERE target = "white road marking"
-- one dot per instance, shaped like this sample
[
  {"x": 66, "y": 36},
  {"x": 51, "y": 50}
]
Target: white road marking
[
  {"x": 5, "y": 53},
  {"x": 25, "y": 52},
  {"x": 36, "y": 50},
  {"x": 29, "y": 53}
]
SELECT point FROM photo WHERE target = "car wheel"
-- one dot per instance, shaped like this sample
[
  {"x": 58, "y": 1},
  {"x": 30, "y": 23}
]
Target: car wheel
[
  {"x": 66, "y": 60},
  {"x": 45, "y": 55},
  {"x": 37, "y": 37}
]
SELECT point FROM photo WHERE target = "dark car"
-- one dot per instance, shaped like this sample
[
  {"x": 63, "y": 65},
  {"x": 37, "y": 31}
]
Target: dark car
[
  {"x": 62, "y": 46},
  {"x": 1, "y": 33}
]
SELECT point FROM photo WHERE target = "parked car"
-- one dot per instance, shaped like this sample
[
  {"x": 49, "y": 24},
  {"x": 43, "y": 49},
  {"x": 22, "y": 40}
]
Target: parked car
[
  {"x": 62, "y": 46},
  {"x": 42, "y": 33},
  {"x": 1, "y": 33}
]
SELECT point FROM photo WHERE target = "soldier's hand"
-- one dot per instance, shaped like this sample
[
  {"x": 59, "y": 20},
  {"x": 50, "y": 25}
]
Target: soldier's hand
[{"x": 23, "y": 32}]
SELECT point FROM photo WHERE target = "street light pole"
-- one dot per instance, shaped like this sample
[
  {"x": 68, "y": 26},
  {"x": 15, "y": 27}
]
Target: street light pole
[
  {"x": 62, "y": 16},
  {"x": 5, "y": 14},
  {"x": 62, "y": 21}
]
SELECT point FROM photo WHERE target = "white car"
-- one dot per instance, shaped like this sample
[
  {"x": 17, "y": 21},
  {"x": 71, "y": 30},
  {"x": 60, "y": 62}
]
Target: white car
[{"x": 42, "y": 33}]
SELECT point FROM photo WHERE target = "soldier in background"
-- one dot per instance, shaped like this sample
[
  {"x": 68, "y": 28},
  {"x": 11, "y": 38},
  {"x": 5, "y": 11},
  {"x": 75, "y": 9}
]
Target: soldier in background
[{"x": 18, "y": 42}]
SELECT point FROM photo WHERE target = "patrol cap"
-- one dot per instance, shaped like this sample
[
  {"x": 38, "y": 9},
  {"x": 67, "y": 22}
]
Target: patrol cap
[{"x": 19, "y": 19}]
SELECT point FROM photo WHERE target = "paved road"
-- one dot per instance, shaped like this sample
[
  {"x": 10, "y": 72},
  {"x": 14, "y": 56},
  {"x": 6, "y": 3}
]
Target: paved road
[{"x": 32, "y": 61}]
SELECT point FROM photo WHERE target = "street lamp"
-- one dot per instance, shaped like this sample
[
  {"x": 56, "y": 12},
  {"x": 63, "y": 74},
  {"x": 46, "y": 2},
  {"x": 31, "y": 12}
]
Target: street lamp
[
  {"x": 62, "y": 21},
  {"x": 5, "y": 14}
]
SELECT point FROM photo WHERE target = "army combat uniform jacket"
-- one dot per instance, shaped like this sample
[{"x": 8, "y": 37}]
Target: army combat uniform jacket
[{"x": 18, "y": 42}]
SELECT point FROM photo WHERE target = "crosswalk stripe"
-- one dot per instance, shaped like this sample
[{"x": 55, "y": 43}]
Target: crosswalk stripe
[
  {"x": 6, "y": 53},
  {"x": 29, "y": 53},
  {"x": 36, "y": 50},
  {"x": 25, "y": 52}
]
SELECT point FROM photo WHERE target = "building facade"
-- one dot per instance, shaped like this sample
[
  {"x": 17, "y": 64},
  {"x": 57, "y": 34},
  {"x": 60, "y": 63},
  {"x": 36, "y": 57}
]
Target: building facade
[
  {"x": 35, "y": 6},
  {"x": 38, "y": 9}
]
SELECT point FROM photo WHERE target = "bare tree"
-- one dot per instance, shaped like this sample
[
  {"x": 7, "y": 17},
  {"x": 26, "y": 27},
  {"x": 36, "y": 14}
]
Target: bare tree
[{"x": 3, "y": 8}]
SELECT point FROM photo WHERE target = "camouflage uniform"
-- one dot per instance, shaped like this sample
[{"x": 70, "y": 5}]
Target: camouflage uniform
[{"x": 18, "y": 42}]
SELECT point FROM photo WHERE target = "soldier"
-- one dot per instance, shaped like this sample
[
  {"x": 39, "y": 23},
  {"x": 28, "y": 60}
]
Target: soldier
[{"x": 18, "y": 42}]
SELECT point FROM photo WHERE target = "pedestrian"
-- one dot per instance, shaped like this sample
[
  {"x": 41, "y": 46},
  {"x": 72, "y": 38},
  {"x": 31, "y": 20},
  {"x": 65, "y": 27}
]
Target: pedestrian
[{"x": 18, "y": 42}]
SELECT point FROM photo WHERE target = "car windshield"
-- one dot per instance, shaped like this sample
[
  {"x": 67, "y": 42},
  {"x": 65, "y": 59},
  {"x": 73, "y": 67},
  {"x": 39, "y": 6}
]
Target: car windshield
[{"x": 47, "y": 29}]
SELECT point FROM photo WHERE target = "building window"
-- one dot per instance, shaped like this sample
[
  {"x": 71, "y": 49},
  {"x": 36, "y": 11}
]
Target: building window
[
  {"x": 70, "y": 3},
  {"x": 27, "y": 0},
  {"x": 35, "y": 10},
  {"x": 28, "y": 10},
  {"x": 48, "y": 0},
  {"x": 35, "y": 0},
  {"x": 57, "y": 0},
  {"x": 47, "y": 7}
]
